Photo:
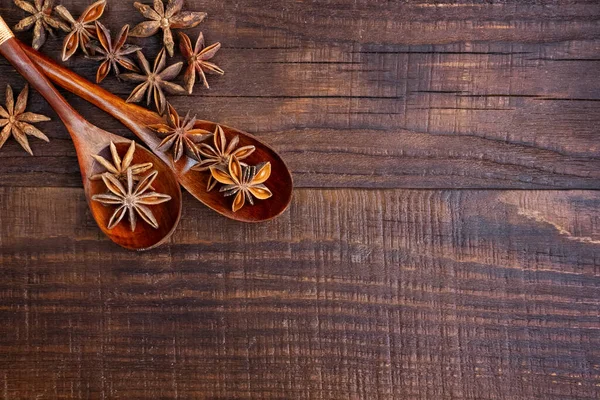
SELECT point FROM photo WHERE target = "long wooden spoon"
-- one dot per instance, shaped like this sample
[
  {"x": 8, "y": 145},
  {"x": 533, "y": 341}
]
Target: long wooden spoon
[
  {"x": 90, "y": 140},
  {"x": 137, "y": 119}
]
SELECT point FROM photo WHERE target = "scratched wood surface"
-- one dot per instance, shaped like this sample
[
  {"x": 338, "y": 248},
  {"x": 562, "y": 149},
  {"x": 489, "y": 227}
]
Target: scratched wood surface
[{"x": 443, "y": 243}]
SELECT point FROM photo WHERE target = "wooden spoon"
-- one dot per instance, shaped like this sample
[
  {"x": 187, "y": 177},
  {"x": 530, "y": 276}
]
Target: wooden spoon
[
  {"x": 90, "y": 140},
  {"x": 137, "y": 119}
]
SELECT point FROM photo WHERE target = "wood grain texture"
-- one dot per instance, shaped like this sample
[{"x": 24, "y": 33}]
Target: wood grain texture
[
  {"x": 351, "y": 294},
  {"x": 451, "y": 94},
  {"x": 365, "y": 289}
]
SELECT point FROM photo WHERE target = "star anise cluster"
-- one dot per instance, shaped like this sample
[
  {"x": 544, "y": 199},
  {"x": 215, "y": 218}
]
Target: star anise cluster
[
  {"x": 222, "y": 160},
  {"x": 219, "y": 154},
  {"x": 95, "y": 40},
  {"x": 155, "y": 82},
  {"x": 131, "y": 198}
]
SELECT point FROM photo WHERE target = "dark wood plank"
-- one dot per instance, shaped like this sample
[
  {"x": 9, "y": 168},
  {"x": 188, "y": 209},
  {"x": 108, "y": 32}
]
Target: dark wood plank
[
  {"x": 383, "y": 94},
  {"x": 382, "y": 294},
  {"x": 351, "y": 294}
]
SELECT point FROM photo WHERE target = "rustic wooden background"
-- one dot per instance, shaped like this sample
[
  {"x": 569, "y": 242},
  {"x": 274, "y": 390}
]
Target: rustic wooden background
[{"x": 443, "y": 242}]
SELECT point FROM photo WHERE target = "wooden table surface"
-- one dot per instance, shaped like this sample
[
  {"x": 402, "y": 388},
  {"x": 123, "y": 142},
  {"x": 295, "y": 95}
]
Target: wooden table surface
[{"x": 443, "y": 241}]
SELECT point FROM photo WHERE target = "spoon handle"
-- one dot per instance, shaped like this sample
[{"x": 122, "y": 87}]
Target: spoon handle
[{"x": 10, "y": 49}]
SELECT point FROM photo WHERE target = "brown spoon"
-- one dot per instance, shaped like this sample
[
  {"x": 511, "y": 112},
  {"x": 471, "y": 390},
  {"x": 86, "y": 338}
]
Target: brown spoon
[
  {"x": 137, "y": 119},
  {"x": 90, "y": 140}
]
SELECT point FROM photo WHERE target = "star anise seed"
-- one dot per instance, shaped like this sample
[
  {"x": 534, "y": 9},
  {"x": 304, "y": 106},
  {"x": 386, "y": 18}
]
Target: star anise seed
[
  {"x": 155, "y": 81},
  {"x": 197, "y": 59},
  {"x": 41, "y": 19},
  {"x": 180, "y": 135},
  {"x": 113, "y": 55},
  {"x": 131, "y": 200},
  {"x": 82, "y": 29},
  {"x": 220, "y": 153},
  {"x": 166, "y": 19},
  {"x": 244, "y": 182},
  {"x": 119, "y": 167},
  {"x": 14, "y": 119}
]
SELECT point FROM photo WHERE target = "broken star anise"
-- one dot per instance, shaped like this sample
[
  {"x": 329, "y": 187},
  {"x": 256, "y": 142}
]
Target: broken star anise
[
  {"x": 180, "y": 135},
  {"x": 197, "y": 58},
  {"x": 113, "y": 55},
  {"x": 119, "y": 167},
  {"x": 41, "y": 19},
  {"x": 82, "y": 29},
  {"x": 220, "y": 153},
  {"x": 155, "y": 81},
  {"x": 246, "y": 182},
  {"x": 166, "y": 19},
  {"x": 131, "y": 200},
  {"x": 14, "y": 119}
]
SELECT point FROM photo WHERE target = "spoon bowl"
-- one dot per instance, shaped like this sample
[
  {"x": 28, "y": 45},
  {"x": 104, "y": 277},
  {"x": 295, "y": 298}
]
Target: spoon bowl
[
  {"x": 167, "y": 214},
  {"x": 90, "y": 141},
  {"x": 280, "y": 183},
  {"x": 138, "y": 119}
]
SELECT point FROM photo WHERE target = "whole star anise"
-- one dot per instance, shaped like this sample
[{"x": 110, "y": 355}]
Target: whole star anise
[
  {"x": 180, "y": 135},
  {"x": 41, "y": 19},
  {"x": 244, "y": 182},
  {"x": 166, "y": 19},
  {"x": 113, "y": 55},
  {"x": 197, "y": 59},
  {"x": 118, "y": 168},
  {"x": 14, "y": 119},
  {"x": 155, "y": 81},
  {"x": 131, "y": 200},
  {"x": 220, "y": 153},
  {"x": 82, "y": 29}
]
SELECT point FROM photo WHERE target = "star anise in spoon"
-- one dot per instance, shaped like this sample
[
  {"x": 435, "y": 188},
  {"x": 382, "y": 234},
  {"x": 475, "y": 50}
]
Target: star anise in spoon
[
  {"x": 197, "y": 59},
  {"x": 166, "y": 19},
  {"x": 131, "y": 200},
  {"x": 220, "y": 153},
  {"x": 155, "y": 81},
  {"x": 180, "y": 134},
  {"x": 14, "y": 119},
  {"x": 246, "y": 182},
  {"x": 119, "y": 167},
  {"x": 41, "y": 19},
  {"x": 82, "y": 29},
  {"x": 113, "y": 55}
]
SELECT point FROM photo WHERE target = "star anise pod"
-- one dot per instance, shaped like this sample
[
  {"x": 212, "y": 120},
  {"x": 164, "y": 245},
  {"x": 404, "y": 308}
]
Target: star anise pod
[
  {"x": 220, "y": 153},
  {"x": 155, "y": 81},
  {"x": 246, "y": 182},
  {"x": 131, "y": 200},
  {"x": 166, "y": 19},
  {"x": 82, "y": 29},
  {"x": 197, "y": 59},
  {"x": 119, "y": 167},
  {"x": 41, "y": 19},
  {"x": 180, "y": 135},
  {"x": 115, "y": 54},
  {"x": 14, "y": 119}
]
